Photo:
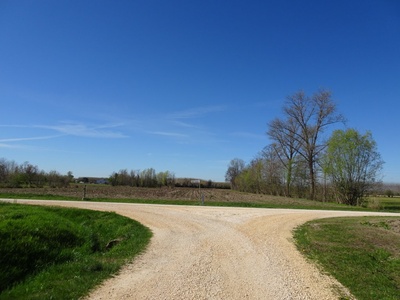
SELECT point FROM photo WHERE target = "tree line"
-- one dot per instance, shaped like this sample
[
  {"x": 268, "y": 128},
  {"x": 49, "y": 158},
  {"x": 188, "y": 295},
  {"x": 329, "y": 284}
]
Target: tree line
[
  {"x": 300, "y": 161},
  {"x": 15, "y": 175},
  {"x": 151, "y": 178},
  {"x": 144, "y": 178}
]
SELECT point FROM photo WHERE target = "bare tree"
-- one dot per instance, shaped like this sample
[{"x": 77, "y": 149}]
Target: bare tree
[
  {"x": 313, "y": 115},
  {"x": 273, "y": 170},
  {"x": 285, "y": 146}
]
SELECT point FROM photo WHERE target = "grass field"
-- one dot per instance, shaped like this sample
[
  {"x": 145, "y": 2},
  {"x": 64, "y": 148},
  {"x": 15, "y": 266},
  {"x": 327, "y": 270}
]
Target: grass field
[
  {"x": 362, "y": 253},
  {"x": 390, "y": 204},
  {"x": 59, "y": 253}
]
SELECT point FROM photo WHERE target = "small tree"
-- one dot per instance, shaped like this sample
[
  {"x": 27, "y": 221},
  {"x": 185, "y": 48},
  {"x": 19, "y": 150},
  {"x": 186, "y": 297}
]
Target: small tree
[{"x": 352, "y": 163}]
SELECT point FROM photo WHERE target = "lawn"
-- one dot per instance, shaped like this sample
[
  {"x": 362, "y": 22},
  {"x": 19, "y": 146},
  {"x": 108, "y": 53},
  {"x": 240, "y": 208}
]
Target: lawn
[{"x": 362, "y": 253}]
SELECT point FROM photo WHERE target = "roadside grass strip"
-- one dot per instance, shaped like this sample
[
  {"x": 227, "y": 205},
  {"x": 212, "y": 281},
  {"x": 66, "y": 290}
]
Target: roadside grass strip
[
  {"x": 362, "y": 253},
  {"x": 62, "y": 253}
]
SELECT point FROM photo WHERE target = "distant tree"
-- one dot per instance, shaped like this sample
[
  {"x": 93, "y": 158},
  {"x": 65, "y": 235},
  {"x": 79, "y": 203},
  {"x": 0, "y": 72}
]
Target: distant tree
[
  {"x": 236, "y": 166},
  {"x": 389, "y": 193},
  {"x": 113, "y": 179},
  {"x": 352, "y": 162},
  {"x": 55, "y": 179},
  {"x": 148, "y": 178},
  {"x": 3, "y": 171},
  {"x": 170, "y": 178},
  {"x": 134, "y": 178},
  {"x": 273, "y": 170},
  {"x": 256, "y": 176},
  {"x": 311, "y": 116},
  {"x": 243, "y": 181},
  {"x": 29, "y": 173},
  {"x": 166, "y": 178},
  {"x": 70, "y": 176}
]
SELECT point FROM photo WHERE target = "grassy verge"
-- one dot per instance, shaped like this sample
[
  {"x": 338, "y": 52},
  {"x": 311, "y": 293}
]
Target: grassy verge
[
  {"x": 62, "y": 253},
  {"x": 362, "y": 253}
]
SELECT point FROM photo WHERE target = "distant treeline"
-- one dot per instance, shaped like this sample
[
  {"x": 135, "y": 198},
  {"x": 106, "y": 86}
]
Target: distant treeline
[
  {"x": 13, "y": 174},
  {"x": 150, "y": 178}
]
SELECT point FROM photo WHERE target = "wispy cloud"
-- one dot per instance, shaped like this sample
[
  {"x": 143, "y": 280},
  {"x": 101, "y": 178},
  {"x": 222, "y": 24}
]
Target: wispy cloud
[
  {"x": 196, "y": 112},
  {"x": 168, "y": 134},
  {"x": 185, "y": 125},
  {"x": 64, "y": 129},
  {"x": 29, "y": 138},
  {"x": 74, "y": 129},
  {"x": 82, "y": 130},
  {"x": 248, "y": 135},
  {"x": 5, "y": 143},
  {"x": 8, "y": 146}
]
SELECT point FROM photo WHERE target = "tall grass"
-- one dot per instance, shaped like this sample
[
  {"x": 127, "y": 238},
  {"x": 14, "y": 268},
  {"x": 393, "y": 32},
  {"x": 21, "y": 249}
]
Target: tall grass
[{"x": 60, "y": 253}]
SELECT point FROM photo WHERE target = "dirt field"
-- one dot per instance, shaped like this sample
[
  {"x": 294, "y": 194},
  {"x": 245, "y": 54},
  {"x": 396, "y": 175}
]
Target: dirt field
[
  {"x": 216, "y": 253},
  {"x": 164, "y": 193},
  {"x": 126, "y": 192}
]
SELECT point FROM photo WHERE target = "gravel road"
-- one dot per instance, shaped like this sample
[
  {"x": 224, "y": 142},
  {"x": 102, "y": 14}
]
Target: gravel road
[{"x": 216, "y": 253}]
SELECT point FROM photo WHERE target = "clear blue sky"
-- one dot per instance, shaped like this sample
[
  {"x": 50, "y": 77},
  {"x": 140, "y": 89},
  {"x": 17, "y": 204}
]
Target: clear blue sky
[{"x": 93, "y": 87}]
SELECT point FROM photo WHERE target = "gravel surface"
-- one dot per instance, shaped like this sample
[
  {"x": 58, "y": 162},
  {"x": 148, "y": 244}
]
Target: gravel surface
[{"x": 217, "y": 253}]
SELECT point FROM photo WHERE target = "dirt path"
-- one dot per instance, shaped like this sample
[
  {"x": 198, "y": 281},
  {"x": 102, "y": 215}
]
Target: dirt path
[{"x": 216, "y": 253}]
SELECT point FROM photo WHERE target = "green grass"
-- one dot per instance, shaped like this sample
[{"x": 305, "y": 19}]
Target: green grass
[
  {"x": 362, "y": 253},
  {"x": 60, "y": 253},
  {"x": 386, "y": 203},
  {"x": 37, "y": 196}
]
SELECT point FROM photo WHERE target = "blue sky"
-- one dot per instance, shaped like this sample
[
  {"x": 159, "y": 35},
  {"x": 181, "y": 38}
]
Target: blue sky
[{"x": 93, "y": 87}]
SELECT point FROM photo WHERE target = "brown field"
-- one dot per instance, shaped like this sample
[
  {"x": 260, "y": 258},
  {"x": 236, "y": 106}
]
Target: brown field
[
  {"x": 127, "y": 192},
  {"x": 94, "y": 191},
  {"x": 180, "y": 195}
]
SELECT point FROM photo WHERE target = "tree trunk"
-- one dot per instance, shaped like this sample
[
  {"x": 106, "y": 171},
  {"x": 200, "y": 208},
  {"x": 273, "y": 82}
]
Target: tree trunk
[
  {"x": 312, "y": 179},
  {"x": 289, "y": 178}
]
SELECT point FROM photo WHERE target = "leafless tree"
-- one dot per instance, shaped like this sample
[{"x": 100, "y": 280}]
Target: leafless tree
[
  {"x": 274, "y": 170},
  {"x": 311, "y": 116}
]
